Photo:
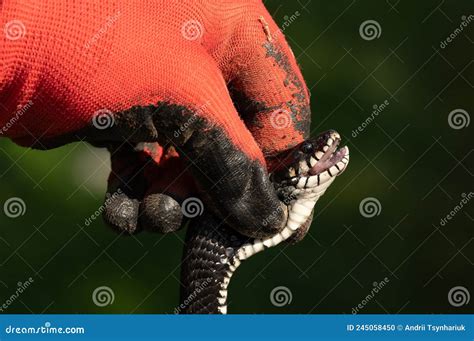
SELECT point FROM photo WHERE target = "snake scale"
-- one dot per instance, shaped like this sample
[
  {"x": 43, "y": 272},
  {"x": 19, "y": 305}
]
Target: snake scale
[{"x": 214, "y": 251}]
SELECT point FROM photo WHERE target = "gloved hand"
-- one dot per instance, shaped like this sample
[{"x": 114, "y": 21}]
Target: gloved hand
[{"x": 214, "y": 79}]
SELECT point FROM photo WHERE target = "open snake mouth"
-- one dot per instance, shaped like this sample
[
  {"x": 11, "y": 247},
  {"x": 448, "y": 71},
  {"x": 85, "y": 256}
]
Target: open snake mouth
[{"x": 313, "y": 162}]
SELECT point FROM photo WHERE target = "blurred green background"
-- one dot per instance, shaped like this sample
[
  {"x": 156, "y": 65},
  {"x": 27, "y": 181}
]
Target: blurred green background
[{"x": 409, "y": 158}]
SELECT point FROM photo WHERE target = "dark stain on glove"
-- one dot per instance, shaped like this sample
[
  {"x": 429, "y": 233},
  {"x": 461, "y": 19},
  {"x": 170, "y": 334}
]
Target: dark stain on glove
[{"x": 234, "y": 186}]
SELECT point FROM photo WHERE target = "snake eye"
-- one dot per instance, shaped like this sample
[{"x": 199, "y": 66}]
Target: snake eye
[{"x": 307, "y": 148}]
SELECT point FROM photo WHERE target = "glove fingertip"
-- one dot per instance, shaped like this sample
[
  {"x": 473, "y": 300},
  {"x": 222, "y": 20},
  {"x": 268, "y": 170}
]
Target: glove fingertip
[
  {"x": 121, "y": 213},
  {"x": 160, "y": 213}
]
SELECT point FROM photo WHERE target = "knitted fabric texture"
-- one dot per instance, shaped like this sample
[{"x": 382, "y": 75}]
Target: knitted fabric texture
[{"x": 62, "y": 62}]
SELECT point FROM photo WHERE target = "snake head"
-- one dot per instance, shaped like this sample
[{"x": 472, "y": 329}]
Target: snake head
[
  {"x": 306, "y": 171},
  {"x": 319, "y": 156}
]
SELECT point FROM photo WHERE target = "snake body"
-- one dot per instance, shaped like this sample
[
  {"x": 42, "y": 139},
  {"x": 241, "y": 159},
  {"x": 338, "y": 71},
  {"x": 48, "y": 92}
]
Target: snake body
[{"x": 214, "y": 251}]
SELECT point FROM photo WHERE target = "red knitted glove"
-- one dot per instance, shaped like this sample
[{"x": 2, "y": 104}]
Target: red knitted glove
[{"x": 215, "y": 79}]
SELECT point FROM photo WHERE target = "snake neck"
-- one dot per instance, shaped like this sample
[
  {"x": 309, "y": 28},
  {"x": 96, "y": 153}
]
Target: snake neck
[
  {"x": 213, "y": 252},
  {"x": 209, "y": 261}
]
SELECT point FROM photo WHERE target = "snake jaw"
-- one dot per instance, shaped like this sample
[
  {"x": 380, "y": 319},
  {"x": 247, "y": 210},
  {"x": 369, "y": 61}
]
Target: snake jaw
[
  {"x": 313, "y": 162},
  {"x": 333, "y": 160}
]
